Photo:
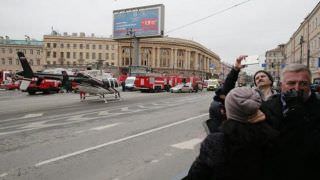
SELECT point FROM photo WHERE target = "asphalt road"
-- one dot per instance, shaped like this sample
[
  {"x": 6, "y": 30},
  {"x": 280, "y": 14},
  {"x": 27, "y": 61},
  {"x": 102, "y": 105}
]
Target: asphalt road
[{"x": 142, "y": 136}]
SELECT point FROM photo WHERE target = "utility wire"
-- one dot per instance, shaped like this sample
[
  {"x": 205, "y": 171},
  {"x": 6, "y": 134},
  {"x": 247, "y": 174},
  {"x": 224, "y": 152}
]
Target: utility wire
[{"x": 201, "y": 19}]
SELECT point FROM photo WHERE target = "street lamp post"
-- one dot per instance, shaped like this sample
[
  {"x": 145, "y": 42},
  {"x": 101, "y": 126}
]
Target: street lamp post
[
  {"x": 131, "y": 34},
  {"x": 301, "y": 43}
]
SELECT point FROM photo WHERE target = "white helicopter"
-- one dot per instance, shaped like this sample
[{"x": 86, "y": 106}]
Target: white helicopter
[{"x": 91, "y": 82}]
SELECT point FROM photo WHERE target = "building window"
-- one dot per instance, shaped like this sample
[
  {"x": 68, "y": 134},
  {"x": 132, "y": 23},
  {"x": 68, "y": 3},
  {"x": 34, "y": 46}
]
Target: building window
[
  {"x": 68, "y": 63},
  {"x": 54, "y": 55},
  {"x": 87, "y": 46},
  {"x": 93, "y": 55},
  {"x": 38, "y": 62},
  {"x": 48, "y": 62},
  {"x": 112, "y": 56},
  {"x": 87, "y": 55},
  {"x": 3, "y": 50},
  {"x": 107, "y": 47},
  {"x": 74, "y": 63},
  {"x": 54, "y": 45},
  {"x": 74, "y": 55},
  {"x": 100, "y": 55},
  {"x": 81, "y": 46},
  {"x": 10, "y": 50},
  {"x": 112, "y": 47},
  {"x": 10, "y": 61},
  {"x": 31, "y": 51},
  {"x": 17, "y": 62},
  {"x": 68, "y": 55},
  {"x": 100, "y": 46},
  {"x": 93, "y": 46},
  {"x": 48, "y": 45},
  {"x": 38, "y": 52},
  {"x": 68, "y": 46},
  {"x": 48, "y": 54},
  {"x": 74, "y": 46},
  {"x": 61, "y": 45},
  {"x": 61, "y": 55},
  {"x": 81, "y": 55},
  {"x": 107, "y": 55},
  {"x": 3, "y": 61}
]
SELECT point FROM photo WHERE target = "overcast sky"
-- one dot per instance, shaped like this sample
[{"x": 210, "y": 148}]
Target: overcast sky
[{"x": 250, "y": 28}]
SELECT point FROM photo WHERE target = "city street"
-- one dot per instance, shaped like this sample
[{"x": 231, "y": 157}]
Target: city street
[{"x": 142, "y": 136}]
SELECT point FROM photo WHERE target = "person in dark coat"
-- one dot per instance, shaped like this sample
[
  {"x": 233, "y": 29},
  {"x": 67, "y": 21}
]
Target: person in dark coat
[
  {"x": 238, "y": 151},
  {"x": 295, "y": 112},
  {"x": 66, "y": 84},
  {"x": 263, "y": 82},
  {"x": 216, "y": 110}
]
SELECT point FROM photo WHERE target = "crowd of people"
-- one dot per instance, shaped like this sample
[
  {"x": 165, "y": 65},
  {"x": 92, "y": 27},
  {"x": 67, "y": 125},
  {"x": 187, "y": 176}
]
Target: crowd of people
[{"x": 259, "y": 133}]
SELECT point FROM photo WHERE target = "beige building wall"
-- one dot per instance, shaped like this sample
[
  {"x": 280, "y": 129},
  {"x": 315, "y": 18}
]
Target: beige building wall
[
  {"x": 171, "y": 56},
  {"x": 275, "y": 59},
  {"x": 8, "y": 54},
  {"x": 163, "y": 55},
  {"x": 304, "y": 45},
  {"x": 79, "y": 51}
]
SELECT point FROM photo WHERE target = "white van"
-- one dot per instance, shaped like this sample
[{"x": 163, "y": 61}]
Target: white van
[{"x": 129, "y": 83}]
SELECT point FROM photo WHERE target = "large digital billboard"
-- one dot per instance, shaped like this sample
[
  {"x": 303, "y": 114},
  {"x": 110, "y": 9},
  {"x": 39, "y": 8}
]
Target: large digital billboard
[{"x": 145, "y": 21}]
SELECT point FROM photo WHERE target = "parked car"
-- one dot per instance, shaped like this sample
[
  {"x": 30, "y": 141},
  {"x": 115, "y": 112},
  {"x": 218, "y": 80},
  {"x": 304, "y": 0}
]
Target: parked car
[{"x": 182, "y": 88}]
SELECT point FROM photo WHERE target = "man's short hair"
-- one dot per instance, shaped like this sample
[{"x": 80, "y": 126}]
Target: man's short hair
[
  {"x": 295, "y": 68},
  {"x": 264, "y": 72}
]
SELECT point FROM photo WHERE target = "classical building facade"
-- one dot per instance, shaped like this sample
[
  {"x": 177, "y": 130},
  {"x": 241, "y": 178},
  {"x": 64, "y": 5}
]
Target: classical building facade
[
  {"x": 78, "y": 51},
  {"x": 8, "y": 54},
  {"x": 172, "y": 56},
  {"x": 304, "y": 45},
  {"x": 275, "y": 60},
  {"x": 162, "y": 55}
]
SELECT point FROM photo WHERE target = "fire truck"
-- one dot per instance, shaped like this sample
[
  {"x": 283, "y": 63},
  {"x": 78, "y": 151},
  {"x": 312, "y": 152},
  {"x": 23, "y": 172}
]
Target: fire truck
[
  {"x": 173, "y": 80},
  {"x": 45, "y": 86},
  {"x": 150, "y": 83}
]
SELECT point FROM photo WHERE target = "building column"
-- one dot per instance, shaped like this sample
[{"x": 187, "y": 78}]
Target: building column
[{"x": 153, "y": 57}]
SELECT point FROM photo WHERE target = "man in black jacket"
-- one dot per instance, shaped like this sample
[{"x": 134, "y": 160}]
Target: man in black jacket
[
  {"x": 295, "y": 113},
  {"x": 216, "y": 110}
]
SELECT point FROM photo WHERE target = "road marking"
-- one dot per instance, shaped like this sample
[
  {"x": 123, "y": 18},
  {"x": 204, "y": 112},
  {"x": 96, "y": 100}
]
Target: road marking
[
  {"x": 33, "y": 115},
  {"x": 116, "y": 141},
  {"x": 102, "y": 113},
  {"x": 188, "y": 144},
  {"x": 3, "y": 175},
  {"x": 104, "y": 127}
]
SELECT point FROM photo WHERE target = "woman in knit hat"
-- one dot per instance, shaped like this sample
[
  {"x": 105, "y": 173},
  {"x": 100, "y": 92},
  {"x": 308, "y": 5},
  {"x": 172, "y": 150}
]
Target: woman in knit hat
[{"x": 238, "y": 151}]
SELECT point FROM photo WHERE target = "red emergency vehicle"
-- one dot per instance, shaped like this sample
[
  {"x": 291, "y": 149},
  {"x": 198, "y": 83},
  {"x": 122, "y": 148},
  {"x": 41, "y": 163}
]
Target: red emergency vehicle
[
  {"x": 173, "y": 80},
  {"x": 149, "y": 83},
  {"x": 43, "y": 85}
]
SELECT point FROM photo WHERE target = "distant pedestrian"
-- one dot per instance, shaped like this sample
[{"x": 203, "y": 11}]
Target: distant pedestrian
[
  {"x": 123, "y": 84},
  {"x": 82, "y": 95},
  {"x": 66, "y": 84}
]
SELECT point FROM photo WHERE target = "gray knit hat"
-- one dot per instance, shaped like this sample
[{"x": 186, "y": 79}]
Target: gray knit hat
[{"x": 241, "y": 103}]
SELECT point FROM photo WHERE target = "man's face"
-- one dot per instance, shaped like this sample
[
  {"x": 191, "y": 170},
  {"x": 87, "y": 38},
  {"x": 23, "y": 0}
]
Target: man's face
[
  {"x": 297, "y": 81},
  {"x": 261, "y": 79}
]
